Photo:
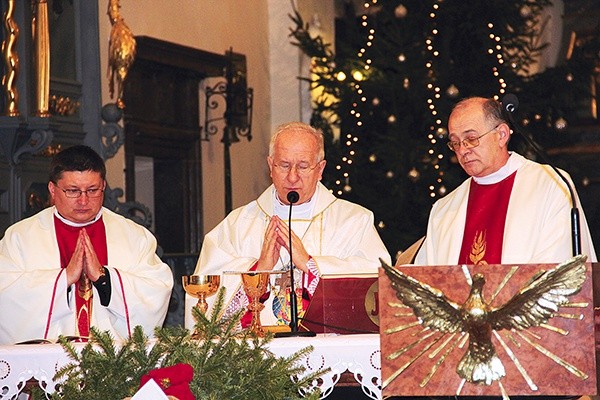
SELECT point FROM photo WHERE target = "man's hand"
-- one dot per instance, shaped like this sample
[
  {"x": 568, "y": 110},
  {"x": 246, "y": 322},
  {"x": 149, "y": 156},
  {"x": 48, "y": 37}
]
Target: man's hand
[
  {"x": 91, "y": 266},
  {"x": 299, "y": 254},
  {"x": 75, "y": 266},
  {"x": 84, "y": 261},
  {"x": 269, "y": 254}
]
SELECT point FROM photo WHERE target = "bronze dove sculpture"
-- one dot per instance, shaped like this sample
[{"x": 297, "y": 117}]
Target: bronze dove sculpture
[{"x": 534, "y": 304}]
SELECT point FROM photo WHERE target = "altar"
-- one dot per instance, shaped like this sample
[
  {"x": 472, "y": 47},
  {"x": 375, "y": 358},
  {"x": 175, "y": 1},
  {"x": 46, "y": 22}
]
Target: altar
[
  {"x": 357, "y": 356},
  {"x": 351, "y": 358}
]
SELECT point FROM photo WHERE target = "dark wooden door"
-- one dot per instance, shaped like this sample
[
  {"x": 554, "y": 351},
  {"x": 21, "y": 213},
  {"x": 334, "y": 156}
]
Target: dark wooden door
[{"x": 162, "y": 122}]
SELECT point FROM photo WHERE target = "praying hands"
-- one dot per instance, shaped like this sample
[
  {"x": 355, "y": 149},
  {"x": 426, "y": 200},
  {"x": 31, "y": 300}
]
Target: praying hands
[{"x": 84, "y": 261}]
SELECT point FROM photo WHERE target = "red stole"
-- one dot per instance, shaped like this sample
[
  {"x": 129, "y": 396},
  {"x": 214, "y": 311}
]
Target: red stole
[
  {"x": 66, "y": 236},
  {"x": 486, "y": 218}
]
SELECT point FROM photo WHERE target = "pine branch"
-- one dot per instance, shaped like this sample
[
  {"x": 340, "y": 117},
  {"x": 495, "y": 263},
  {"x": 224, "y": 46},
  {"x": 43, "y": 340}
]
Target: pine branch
[{"x": 227, "y": 363}]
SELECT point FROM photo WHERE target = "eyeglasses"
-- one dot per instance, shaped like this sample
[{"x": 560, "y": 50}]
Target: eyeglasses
[
  {"x": 76, "y": 193},
  {"x": 468, "y": 143},
  {"x": 301, "y": 168}
]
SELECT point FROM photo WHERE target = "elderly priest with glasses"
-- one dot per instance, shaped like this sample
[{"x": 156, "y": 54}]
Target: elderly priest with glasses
[
  {"x": 329, "y": 235},
  {"x": 76, "y": 264},
  {"x": 511, "y": 210}
]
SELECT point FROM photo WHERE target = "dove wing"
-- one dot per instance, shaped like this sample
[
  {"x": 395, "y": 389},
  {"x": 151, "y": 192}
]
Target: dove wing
[
  {"x": 540, "y": 299},
  {"x": 430, "y": 305}
]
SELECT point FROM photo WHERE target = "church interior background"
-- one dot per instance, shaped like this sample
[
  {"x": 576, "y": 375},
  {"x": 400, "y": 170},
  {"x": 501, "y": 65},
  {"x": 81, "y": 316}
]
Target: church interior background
[{"x": 168, "y": 167}]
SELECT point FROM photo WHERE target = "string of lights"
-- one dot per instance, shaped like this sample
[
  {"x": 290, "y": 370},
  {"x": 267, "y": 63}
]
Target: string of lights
[
  {"x": 399, "y": 68},
  {"x": 351, "y": 138},
  {"x": 437, "y": 130},
  {"x": 495, "y": 50}
]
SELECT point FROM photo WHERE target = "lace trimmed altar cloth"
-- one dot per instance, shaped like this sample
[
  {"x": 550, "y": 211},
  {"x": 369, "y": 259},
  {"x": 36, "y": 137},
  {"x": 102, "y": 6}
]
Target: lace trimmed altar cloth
[{"x": 354, "y": 355}]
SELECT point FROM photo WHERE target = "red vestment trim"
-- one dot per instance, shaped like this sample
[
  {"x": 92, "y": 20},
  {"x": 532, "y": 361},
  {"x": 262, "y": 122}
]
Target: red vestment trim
[
  {"x": 52, "y": 304},
  {"x": 484, "y": 226},
  {"x": 66, "y": 237},
  {"x": 124, "y": 302}
]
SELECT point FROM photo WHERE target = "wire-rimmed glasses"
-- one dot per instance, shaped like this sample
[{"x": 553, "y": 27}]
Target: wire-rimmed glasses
[
  {"x": 76, "y": 193},
  {"x": 468, "y": 143},
  {"x": 301, "y": 168}
]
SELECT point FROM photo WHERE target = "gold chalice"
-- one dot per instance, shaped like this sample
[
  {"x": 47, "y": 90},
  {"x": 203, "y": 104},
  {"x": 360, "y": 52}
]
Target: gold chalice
[
  {"x": 255, "y": 285},
  {"x": 201, "y": 287}
]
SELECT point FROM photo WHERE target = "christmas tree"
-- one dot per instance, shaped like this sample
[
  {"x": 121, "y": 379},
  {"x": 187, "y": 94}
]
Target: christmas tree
[{"x": 384, "y": 96}]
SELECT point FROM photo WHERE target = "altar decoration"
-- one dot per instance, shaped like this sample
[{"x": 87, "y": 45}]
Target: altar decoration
[
  {"x": 173, "y": 381},
  {"x": 227, "y": 363}
]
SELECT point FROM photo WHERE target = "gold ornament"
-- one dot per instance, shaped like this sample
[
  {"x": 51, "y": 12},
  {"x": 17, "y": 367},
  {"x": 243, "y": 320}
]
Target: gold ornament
[
  {"x": 560, "y": 124},
  {"x": 400, "y": 11},
  {"x": 414, "y": 174},
  {"x": 10, "y": 56},
  {"x": 452, "y": 91},
  {"x": 121, "y": 51}
]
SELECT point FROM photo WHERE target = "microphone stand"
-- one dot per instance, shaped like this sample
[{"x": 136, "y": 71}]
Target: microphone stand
[
  {"x": 293, "y": 197},
  {"x": 575, "y": 223}
]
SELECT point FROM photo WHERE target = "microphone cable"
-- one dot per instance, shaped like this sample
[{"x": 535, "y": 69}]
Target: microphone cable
[{"x": 510, "y": 104}]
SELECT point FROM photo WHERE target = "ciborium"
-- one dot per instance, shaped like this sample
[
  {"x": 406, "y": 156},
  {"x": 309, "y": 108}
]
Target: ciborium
[
  {"x": 201, "y": 287},
  {"x": 255, "y": 285}
]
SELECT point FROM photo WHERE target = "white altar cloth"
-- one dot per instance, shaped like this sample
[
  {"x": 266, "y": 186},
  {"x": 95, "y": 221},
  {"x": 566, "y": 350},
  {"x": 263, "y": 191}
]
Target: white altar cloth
[{"x": 357, "y": 354}]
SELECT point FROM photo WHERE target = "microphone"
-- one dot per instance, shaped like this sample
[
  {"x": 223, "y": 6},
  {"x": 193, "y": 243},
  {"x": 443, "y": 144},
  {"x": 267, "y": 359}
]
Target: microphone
[
  {"x": 293, "y": 197},
  {"x": 510, "y": 104}
]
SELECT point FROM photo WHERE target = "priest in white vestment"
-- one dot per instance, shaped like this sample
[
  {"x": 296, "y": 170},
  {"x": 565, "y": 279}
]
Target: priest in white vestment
[
  {"x": 329, "y": 235},
  {"x": 76, "y": 264},
  {"x": 511, "y": 209}
]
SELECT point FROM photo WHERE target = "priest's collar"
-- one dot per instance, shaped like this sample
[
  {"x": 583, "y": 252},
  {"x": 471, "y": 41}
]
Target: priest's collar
[
  {"x": 300, "y": 211},
  {"x": 515, "y": 161},
  {"x": 77, "y": 224}
]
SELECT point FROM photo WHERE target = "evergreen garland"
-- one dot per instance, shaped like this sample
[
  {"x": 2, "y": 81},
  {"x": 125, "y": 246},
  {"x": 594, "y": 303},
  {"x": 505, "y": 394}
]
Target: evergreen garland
[{"x": 227, "y": 363}]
